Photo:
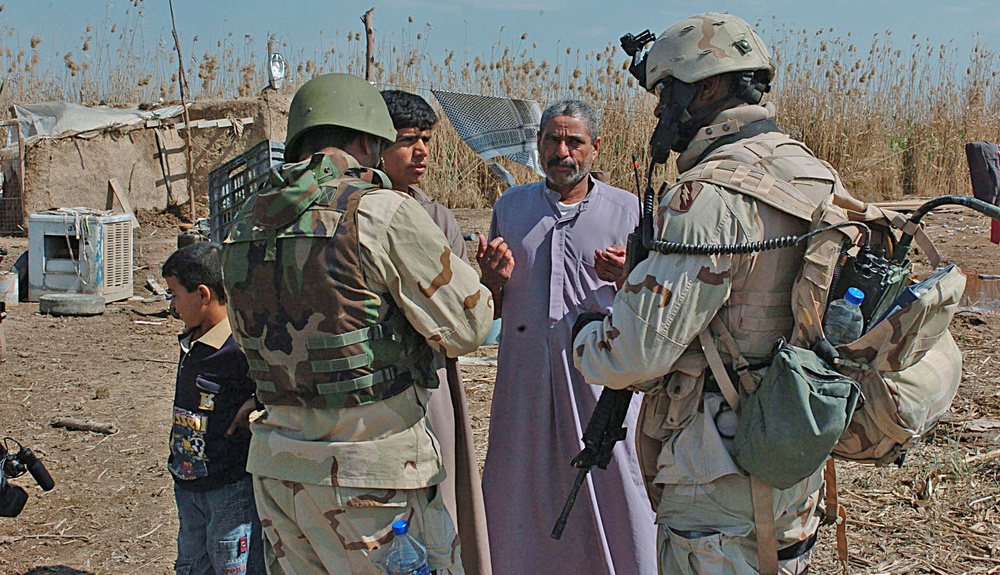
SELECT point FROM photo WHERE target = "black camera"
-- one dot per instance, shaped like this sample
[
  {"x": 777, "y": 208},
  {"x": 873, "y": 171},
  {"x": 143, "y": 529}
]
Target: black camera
[{"x": 14, "y": 464}]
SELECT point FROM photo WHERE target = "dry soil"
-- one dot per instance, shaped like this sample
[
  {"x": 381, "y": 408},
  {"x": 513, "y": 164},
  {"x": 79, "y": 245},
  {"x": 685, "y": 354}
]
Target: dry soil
[{"x": 112, "y": 510}]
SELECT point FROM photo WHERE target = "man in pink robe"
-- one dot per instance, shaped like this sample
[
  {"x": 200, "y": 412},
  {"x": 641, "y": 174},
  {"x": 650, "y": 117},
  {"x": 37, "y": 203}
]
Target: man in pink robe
[{"x": 550, "y": 245}]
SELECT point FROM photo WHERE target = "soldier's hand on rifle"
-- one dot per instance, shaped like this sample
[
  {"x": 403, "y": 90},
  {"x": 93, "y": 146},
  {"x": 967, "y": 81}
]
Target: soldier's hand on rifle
[
  {"x": 610, "y": 264},
  {"x": 496, "y": 262}
]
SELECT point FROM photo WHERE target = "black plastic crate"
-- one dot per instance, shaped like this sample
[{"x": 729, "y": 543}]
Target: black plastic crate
[{"x": 232, "y": 183}]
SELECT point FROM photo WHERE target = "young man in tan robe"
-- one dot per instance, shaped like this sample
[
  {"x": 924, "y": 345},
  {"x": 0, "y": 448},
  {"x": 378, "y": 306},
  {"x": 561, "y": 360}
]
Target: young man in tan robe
[{"x": 405, "y": 162}]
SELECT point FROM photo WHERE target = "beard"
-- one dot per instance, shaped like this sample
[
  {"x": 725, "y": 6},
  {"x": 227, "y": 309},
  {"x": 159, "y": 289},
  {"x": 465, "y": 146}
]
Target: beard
[{"x": 571, "y": 178}]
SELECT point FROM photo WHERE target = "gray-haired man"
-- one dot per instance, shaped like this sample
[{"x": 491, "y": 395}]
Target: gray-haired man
[{"x": 553, "y": 246}]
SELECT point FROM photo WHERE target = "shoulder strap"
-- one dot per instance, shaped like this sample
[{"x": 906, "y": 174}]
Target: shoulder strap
[
  {"x": 761, "y": 494},
  {"x": 836, "y": 514},
  {"x": 900, "y": 222},
  {"x": 752, "y": 181},
  {"x": 384, "y": 181},
  {"x": 763, "y": 524},
  {"x": 717, "y": 329},
  {"x": 711, "y": 352},
  {"x": 744, "y": 132}
]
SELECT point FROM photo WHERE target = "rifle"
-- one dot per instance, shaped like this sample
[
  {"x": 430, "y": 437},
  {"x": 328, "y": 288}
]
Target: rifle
[{"x": 604, "y": 430}]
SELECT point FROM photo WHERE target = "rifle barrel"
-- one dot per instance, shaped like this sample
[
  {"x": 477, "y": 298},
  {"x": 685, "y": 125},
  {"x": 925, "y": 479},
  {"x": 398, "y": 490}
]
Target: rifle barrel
[{"x": 557, "y": 531}]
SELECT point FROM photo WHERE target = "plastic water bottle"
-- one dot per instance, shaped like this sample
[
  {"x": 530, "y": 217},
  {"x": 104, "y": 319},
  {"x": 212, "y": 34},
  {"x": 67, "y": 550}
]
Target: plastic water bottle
[
  {"x": 843, "y": 322},
  {"x": 406, "y": 556}
]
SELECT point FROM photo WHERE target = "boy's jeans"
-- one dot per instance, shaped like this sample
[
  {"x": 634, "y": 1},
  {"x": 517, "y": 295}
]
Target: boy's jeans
[{"x": 219, "y": 531}]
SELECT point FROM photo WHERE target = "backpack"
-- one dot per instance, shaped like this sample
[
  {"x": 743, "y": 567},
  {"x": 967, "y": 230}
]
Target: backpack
[{"x": 908, "y": 365}]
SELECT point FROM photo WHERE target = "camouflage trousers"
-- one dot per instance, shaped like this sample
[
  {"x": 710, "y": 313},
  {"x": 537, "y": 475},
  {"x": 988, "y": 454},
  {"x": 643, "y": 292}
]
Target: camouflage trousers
[
  {"x": 316, "y": 529},
  {"x": 705, "y": 519},
  {"x": 687, "y": 545}
]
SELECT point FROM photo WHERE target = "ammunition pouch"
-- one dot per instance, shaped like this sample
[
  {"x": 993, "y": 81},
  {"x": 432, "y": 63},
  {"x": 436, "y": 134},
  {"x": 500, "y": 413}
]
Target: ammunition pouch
[
  {"x": 789, "y": 425},
  {"x": 349, "y": 380}
]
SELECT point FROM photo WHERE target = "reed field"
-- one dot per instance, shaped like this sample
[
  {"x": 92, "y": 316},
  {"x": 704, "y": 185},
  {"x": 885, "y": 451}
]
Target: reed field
[{"x": 892, "y": 113}]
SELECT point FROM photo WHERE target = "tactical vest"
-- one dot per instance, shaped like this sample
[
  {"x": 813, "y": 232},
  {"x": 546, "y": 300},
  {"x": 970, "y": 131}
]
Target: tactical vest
[
  {"x": 314, "y": 332},
  {"x": 759, "y": 309}
]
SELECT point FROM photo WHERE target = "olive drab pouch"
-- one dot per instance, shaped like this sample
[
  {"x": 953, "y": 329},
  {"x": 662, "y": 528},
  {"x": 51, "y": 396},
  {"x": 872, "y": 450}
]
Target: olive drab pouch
[{"x": 790, "y": 423}]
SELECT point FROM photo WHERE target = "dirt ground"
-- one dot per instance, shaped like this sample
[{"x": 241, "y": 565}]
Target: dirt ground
[{"x": 112, "y": 510}]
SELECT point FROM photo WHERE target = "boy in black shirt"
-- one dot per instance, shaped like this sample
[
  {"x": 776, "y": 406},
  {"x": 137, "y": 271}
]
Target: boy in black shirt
[{"x": 219, "y": 529}]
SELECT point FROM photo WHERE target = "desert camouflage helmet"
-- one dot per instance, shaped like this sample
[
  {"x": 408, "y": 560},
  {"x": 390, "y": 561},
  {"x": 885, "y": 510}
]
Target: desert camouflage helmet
[
  {"x": 342, "y": 100},
  {"x": 707, "y": 45}
]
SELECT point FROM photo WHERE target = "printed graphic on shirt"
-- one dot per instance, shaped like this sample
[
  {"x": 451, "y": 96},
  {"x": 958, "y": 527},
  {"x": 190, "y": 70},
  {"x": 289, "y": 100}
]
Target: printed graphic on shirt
[
  {"x": 207, "y": 402},
  {"x": 187, "y": 445}
]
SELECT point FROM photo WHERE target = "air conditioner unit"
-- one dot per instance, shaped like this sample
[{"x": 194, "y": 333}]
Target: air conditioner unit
[{"x": 80, "y": 250}]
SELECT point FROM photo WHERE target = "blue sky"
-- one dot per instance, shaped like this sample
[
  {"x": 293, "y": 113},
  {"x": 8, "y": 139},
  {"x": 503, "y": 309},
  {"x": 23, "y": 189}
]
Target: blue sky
[{"x": 475, "y": 25}]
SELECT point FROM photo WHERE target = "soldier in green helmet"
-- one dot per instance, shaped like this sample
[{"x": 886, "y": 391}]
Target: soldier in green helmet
[
  {"x": 710, "y": 73},
  {"x": 340, "y": 291}
]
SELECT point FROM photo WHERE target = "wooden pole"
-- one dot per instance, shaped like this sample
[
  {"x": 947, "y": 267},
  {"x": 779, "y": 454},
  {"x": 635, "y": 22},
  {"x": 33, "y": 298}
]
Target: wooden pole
[
  {"x": 370, "y": 48},
  {"x": 21, "y": 167},
  {"x": 22, "y": 215},
  {"x": 3, "y": 341},
  {"x": 182, "y": 83}
]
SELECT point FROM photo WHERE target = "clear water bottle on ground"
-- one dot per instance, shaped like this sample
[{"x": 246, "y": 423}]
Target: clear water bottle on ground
[
  {"x": 843, "y": 322},
  {"x": 405, "y": 556}
]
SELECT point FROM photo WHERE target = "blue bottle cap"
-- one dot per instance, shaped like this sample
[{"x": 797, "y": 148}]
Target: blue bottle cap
[
  {"x": 399, "y": 527},
  {"x": 854, "y": 296}
]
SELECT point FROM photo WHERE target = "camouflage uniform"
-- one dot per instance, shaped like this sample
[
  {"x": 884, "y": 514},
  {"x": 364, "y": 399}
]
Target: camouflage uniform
[
  {"x": 448, "y": 415},
  {"x": 339, "y": 292},
  {"x": 701, "y": 496}
]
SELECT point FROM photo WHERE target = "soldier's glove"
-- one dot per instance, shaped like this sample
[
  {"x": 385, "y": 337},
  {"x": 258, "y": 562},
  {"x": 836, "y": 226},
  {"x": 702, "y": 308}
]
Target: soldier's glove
[
  {"x": 583, "y": 319},
  {"x": 605, "y": 428}
]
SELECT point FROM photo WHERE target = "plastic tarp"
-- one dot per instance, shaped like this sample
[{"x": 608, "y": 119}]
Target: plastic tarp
[
  {"x": 63, "y": 119},
  {"x": 494, "y": 127}
]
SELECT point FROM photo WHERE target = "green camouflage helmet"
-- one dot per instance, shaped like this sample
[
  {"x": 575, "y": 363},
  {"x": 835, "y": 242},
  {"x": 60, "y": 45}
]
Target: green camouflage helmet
[
  {"x": 342, "y": 100},
  {"x": 707, "y": 45}
]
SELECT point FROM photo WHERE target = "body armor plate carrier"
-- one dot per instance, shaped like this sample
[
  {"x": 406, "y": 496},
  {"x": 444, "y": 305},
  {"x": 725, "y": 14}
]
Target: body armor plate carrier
[{"x": 302, "y": 311}]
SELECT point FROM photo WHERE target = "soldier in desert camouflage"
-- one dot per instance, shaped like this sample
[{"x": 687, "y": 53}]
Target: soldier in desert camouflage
[
  {"x": 340, "y": 291},
  {"x": 710, "y": 72}
]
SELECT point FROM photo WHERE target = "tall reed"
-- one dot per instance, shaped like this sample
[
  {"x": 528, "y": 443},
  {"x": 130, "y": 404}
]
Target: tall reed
[{"x": 892, "y": 116}]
